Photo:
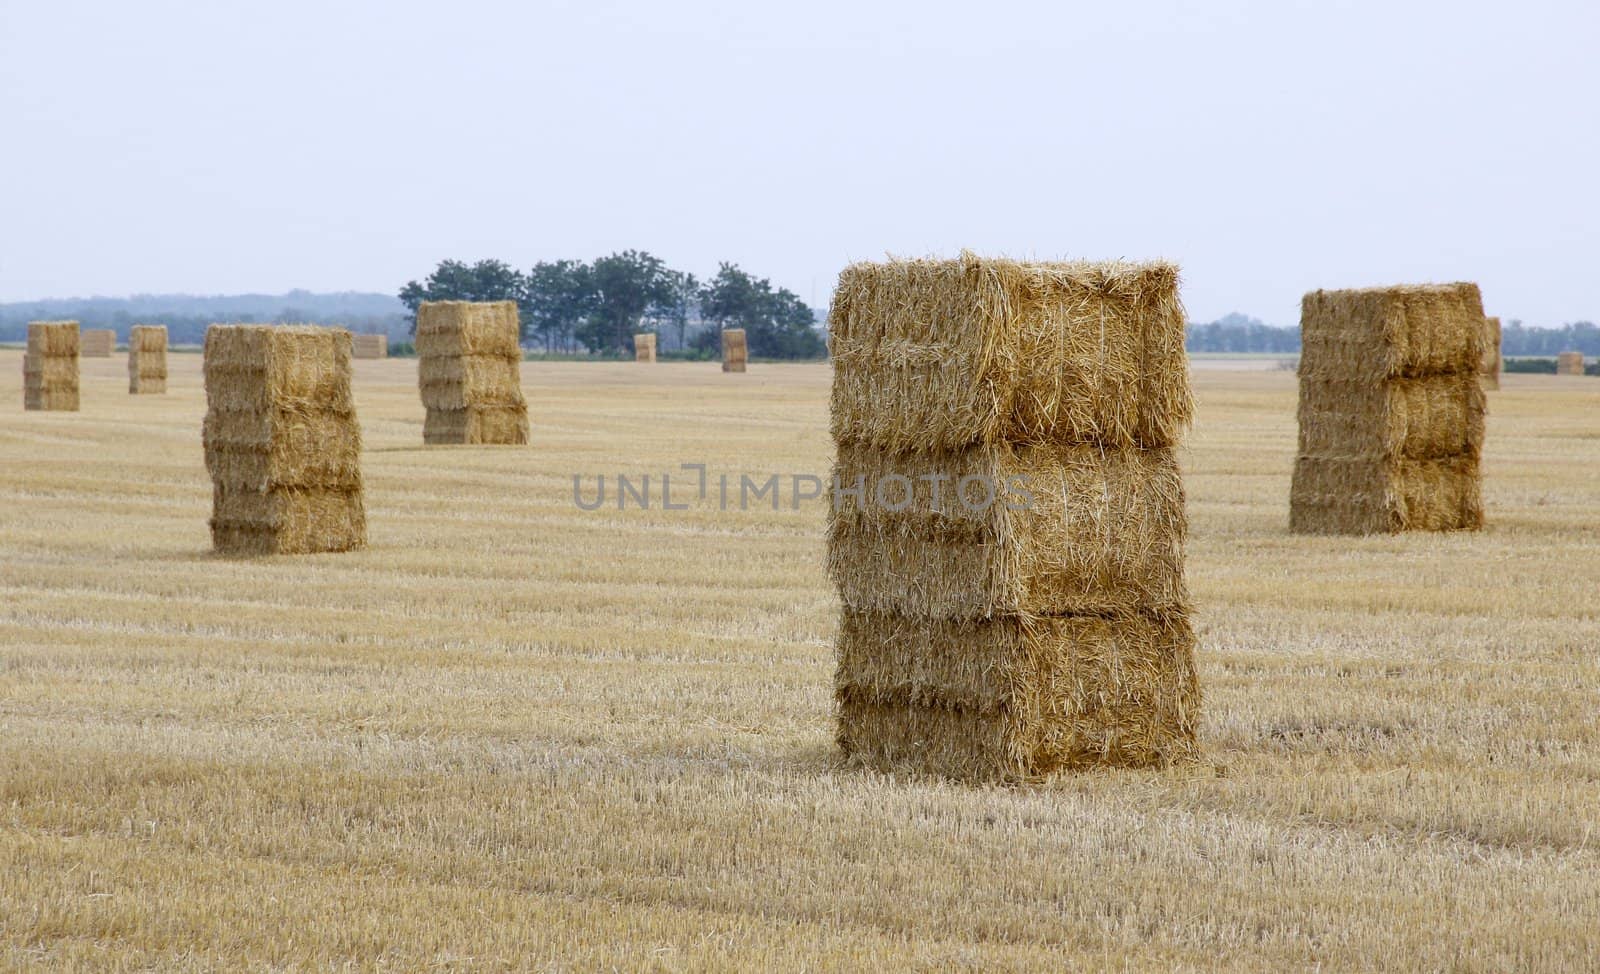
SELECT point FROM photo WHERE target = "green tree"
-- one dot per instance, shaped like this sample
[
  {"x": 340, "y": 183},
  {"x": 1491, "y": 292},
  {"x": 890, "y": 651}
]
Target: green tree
[
  {"x": 684, "y": 294},
  {"x": 777, "y": 323},
  {"x": 454, "y": 280},
  {"x": 626, "y": 285},
  {"x": 560, "y": 295}
]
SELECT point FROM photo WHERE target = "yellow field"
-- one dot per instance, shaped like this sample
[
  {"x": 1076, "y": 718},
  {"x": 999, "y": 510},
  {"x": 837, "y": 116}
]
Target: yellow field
[{"x": 514, "y": 734}]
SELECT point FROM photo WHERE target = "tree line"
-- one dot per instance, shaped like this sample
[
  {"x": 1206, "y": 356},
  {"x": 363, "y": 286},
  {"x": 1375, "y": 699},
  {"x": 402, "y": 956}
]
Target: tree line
[
  {"x": 567, "y": 306},
  {"x": 1239, "y": 334}
]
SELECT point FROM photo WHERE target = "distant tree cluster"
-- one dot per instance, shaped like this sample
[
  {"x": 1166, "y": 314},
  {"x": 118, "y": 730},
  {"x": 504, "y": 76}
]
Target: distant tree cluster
[
  {"x": 1579, "y": 336},
  {"x": 1236, "y": 333},
  {"x": 598, "y": 306}
]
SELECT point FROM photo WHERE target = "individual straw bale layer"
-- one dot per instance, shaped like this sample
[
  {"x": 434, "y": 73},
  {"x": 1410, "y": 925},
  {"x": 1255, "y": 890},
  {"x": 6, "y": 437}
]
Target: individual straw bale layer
[
  {"x": 50, "y": 366},
  {"x": 995, "y": 530},
  {"x": 1569, "y": 363},
  {"x": 1490, "y": 372},
  {"x": 503, "y": 425},
  {"x": 98, "y": 343},
  {"x": 288, "y": 520},
  {"x": 735, "y": 351},
  {"x": 370, "y": 346},
  {"x": 454, "y": 382},
  {"x": 265, "y": 367},
  {"x": 1362, "y": 495},
  {"x": 933, "y": 355},
  {"x": 644, "y": 347},
  {"x": 260, "y": 449},
  {"x": 147, "y": 359},
  {"x": 1392, "y": 332},
  {"x": 449, "y": 328},
  {"x": 1433, "y": 416},
  {"x": 1016, "y": 698}
]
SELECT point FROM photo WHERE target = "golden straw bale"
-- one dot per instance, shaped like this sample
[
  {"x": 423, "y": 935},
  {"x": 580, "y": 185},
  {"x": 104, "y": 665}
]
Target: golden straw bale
[
  {"x": 97, "y": 343},
  {"x": 147, "y": 359},
  {"x": 450, "y": 328},
  {"x": 644, "y": 347},
  {"x": 370, "y": 346},
  {"x": 1569, "y": 363},
  {"x": 735, "y": 352},
  {"x": 50, "y": 379},
  {"x": 1490, "y": 371},
  {"x": 469, "y": 373}
]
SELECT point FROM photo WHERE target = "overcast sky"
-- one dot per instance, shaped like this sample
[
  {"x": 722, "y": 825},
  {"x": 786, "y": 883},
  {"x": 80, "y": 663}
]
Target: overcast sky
[{"x": 1268, "y": 147}]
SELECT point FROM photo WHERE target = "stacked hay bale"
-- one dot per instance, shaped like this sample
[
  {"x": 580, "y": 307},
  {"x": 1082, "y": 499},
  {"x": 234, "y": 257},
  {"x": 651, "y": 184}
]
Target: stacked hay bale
[
  {"x": 370, "y": 346},
  {"x": 735, "y": 353},
  {"x": 50, "y": 366},
  {"x": 1391, "y": 411},
  {"x": 281, "y": 440},
  {"x": 644, "y": 347},
  {"x": 1569, "y": 363},
  {"x": 98, "y": 342},
  {"x": 1490, "y": 373},
  {"x": 147, "y": 359},
  {"x": 469, "y": 368},
  {"x": 1011, "y": 567}
]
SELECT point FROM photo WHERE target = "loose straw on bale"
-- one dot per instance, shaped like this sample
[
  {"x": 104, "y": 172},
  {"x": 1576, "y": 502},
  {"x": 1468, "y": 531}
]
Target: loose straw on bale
[
  {"x": 1569, "y": 363},
  {"x": 147, "y": 359},
  {"x": 469, "y": 370},
  {"x": 98, "y": 342},
  {"x": 1005, "y": 640},
  {"x": 50, "y": 366},
  {"x": 734, "y": 351},
  {"x": 644, "y": 347},
  {"x": 1491, "y": 353},
  {"x": 1391, "y": 411},
  {"x": 281, "y": 441}
]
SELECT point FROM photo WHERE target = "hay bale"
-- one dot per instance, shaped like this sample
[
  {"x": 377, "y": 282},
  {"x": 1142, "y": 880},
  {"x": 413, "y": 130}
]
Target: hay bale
[
  {"x": 282, "y": 443},
  {"x": 1569, "y": 363},
  {"x": 1033, "y": 615},
  {"x": 1391, "y": 411},
  {"x": 469, "y": 369},
  {"x": 370, "y": 346},
  {"x": 50, "y": 366},
  {"x": 1490, "y": 372},
  {"x": 735, "y": 353},
  {"x": 644, "y": 347},
  {"x": 147, "y": 359},
  {"x": 98, "y": 342}
]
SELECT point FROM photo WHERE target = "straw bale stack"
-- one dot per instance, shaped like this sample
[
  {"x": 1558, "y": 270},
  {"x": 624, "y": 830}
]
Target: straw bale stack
[
  {"x": 98, "y": 342},
  {"x": 735, "y": 353},
  {"x": 147, "y": 359},
  {"x": 644, "y": 347},
  {"x": 281, "y": 440},
  {"x": 370, "y": 346},
  {"x": 50, "y": 366},
  {"x": 1569, "y": 363},
  {"x": 1491, "y": 353},
  {"x": 469, "y": 368},
  {"x": 1012, "y": 567},
  {"x": 1391, "y": 411}
]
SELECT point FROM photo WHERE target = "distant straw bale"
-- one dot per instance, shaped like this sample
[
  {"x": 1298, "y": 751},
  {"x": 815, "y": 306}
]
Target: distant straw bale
[
  {"x": 1569, "y": 363},
  {"x": 735, "y": 353},
  {"x": 50, "y": 366},
  {"x": 370, "y": 346},
  {"x": 98, "y": 342},
  {"x": 1391, "y": 411},
  {"x": 1490, "y": 372},
  {"x": 469, "y": 363},
  {"x": 282, "y": 442},
  {"x": 644, "y": 347},
  {"x": 147, "y": 359}
]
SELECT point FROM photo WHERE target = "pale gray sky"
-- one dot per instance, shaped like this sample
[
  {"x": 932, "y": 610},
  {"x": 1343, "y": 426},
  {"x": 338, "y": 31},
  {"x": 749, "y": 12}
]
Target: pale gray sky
[{"x": 1268, "y": 147}]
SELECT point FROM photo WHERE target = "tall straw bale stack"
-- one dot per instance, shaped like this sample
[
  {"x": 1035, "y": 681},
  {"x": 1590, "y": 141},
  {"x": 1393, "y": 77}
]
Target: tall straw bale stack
[
  {"x": 50, "y": 366},
  {"x": 147, "y": 359},
  {"x": 1491, "y": 353},
  {"x": 1391, "y": 411},
  {"x": 644, "y": 347},
  {"x": 735, "y": 352},
  {"x": 469, "y": 368},
  {"x": 282, "y": 442},
  {"x": 1011, "y": 567},
  {"x": 1569, "y": 363},
  {"x": 370, "y": 346},
  {"x": 98, "y": 342}
]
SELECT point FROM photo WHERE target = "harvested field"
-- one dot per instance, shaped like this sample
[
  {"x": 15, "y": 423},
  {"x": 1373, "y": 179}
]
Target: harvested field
[{"x": 514, "y": 734}]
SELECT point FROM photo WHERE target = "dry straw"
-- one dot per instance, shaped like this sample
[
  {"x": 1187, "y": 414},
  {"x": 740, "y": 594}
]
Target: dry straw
[
  {"x": 1490, "y": 372},
  {"x": 98, "y": 342},
  {"x": 735, "y": 352},
  {"x": 644, "y": 347},
  {"x": 1569, "y": 363},
  {"x": 1033, "y": 615},
  {"x": 281, "y": 440},
  {"x": 147, "y": 359},
  {"x": 1391, "y": 410},
  {"x": 50, "y": 366},
  {"x": 469, "y": 371},
  {"x": 370, "y": 346}
]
